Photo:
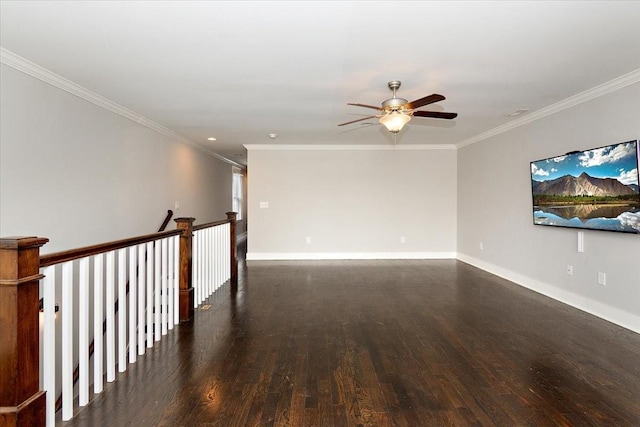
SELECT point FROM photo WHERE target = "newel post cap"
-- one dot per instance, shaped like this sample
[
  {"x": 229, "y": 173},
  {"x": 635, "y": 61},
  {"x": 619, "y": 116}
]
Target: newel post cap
[{"x": 22, "y": 242}]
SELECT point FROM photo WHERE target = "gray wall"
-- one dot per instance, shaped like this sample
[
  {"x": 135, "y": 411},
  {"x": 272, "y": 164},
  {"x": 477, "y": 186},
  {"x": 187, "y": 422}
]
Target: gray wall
[
  {"x": 353, "y": 202},
  {"x": 494, "y": 200},
  {"x": 79, "y": 174}
]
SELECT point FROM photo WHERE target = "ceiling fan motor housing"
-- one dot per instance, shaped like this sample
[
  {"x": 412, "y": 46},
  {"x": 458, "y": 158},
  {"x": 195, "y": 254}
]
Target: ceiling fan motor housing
[{"x": 393, "y": 104}]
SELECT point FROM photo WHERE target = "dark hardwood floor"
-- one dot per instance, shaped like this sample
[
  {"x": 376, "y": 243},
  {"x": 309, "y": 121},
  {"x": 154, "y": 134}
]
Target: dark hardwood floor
[{"x": 377, "y": 343}]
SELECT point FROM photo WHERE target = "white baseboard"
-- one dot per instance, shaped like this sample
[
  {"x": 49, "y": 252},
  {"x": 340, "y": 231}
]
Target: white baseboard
[
  {"x": 619, "y": 317},
  {"x": 282, "y": 256}
]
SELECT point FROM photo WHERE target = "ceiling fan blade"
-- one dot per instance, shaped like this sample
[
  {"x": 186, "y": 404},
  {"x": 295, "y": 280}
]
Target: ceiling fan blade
[
  {"x": 435, "y": 114},
  {"x": 357, "y": 120},
  {"x": 424, "y": 101},
  {"x": 365, "y": 106}
]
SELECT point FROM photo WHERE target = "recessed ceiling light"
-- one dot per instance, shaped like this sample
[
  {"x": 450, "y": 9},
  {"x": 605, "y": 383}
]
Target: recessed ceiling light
[
  {"x": 518, "y": 112},
  {"x": 211, "y": 138},
  {"x": 273, "y": 135}
]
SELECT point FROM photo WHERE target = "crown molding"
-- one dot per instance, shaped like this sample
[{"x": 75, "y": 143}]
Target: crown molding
[
  {"x": 587, "y": 95},
  {"x": 34, "y": 70},
  {"x": 352, "y": 147}
]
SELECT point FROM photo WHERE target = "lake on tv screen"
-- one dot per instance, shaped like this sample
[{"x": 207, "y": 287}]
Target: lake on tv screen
[{"x": 602, "y": 217}]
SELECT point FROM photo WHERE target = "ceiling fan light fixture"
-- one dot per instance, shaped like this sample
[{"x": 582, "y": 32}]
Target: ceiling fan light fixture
[{"x": 394, "y": 121}]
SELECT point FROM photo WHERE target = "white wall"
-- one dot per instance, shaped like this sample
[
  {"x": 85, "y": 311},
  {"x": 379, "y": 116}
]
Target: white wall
[
  {"x": 78, "y": 174},
  {"x": 495, "y": 208},
  {"x": 352, "y": 202}
]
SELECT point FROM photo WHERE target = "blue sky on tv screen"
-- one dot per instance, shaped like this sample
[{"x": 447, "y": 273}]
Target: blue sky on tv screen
[{"x": 618, "y": 161}]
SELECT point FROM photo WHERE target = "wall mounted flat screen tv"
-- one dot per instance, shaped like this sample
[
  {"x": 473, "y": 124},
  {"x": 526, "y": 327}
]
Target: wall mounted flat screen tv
[{"x": 594, "y": 189}]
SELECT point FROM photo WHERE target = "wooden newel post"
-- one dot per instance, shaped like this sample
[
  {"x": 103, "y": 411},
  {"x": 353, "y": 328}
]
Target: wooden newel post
[
  {"x": 22, "y": 403},
  {"x": 186, "y": 288},
  {"x": 234, "y": 257}
]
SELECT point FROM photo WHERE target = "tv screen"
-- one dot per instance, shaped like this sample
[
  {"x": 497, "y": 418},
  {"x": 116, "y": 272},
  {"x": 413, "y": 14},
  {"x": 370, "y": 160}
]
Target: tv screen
[{"x": 595, "y": 189}]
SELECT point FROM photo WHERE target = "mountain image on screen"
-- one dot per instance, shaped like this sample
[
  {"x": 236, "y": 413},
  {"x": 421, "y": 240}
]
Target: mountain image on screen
[{"x": 584, "y": 185}]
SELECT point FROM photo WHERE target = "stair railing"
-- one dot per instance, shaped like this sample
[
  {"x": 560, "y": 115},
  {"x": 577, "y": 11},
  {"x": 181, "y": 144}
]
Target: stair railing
[
  {"x": 76, "y": 372},
  {"x": 210, "y": 271},
  {"x": 103, "y": 271},
  {"x": 161, "y": 296}
]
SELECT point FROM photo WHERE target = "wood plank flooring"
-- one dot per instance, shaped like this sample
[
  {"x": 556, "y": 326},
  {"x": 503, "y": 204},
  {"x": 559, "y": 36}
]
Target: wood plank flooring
[{"x": 379, "y": 343}]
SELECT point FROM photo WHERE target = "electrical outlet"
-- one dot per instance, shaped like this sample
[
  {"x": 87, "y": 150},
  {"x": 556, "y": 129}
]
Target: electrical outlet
[
  {"x": 570, "y": 269},
  {"x": 402, "y": 239},
  {"x": 602, "y": 278},
  {"x": 176, "y": 206},
  {"x": 481, "y": 246},
  {"x": 308, "y": 240}
]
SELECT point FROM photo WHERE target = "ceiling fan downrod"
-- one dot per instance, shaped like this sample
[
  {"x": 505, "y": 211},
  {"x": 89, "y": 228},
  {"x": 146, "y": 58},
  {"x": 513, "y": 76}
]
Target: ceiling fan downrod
[{"x": 394, "y": 85}]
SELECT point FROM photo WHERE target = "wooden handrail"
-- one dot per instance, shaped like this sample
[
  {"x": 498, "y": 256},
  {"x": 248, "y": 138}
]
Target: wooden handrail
[
  {"x": 70, "y": 255},
  {"x": 166, "y": 221},
  {"x": 211, "y": 224}
]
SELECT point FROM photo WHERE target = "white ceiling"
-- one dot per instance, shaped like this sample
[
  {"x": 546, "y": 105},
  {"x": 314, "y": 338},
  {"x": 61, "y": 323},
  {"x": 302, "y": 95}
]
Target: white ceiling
[{"x": 241, "y": 70}]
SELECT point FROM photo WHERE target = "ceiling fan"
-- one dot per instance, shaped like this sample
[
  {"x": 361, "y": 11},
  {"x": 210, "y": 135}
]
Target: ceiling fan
[{"x": 396, "y": 112}]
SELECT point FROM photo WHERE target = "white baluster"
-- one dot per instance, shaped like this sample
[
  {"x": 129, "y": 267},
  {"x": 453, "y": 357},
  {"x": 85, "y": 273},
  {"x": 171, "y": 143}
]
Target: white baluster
[
  {"x": 202, "y": 257},
  {"x": 210, "y": 261},
  {"x": 227, "y": 251},
  {"x": 170, "y": 283},
  {"x": 67, "y": 340},
  {"x": 122, "y": 310},
  {"x": 201, "y": 240},
  {"x": 150, "y": 294},
  {"x": 215, "y": 255},
  {"x": 142, "y": 269},
  {"x": 165, "y": 268},
  {"x": 205, "y": 264},
  {"x": 195, "y": 259},
  {"x": 98, "y": 313},
  {"x": 219, "y": 257},
  {"x": 109, "y": 309},
  {"x": 49, "y": 343},
  {"x": 83, "y": 333},
  {"x": 176, "y": 288},
  {"x": 156, "y": 291},
  {"x": 198, "y": 271},
  {"x": 133, "y": 293}
]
